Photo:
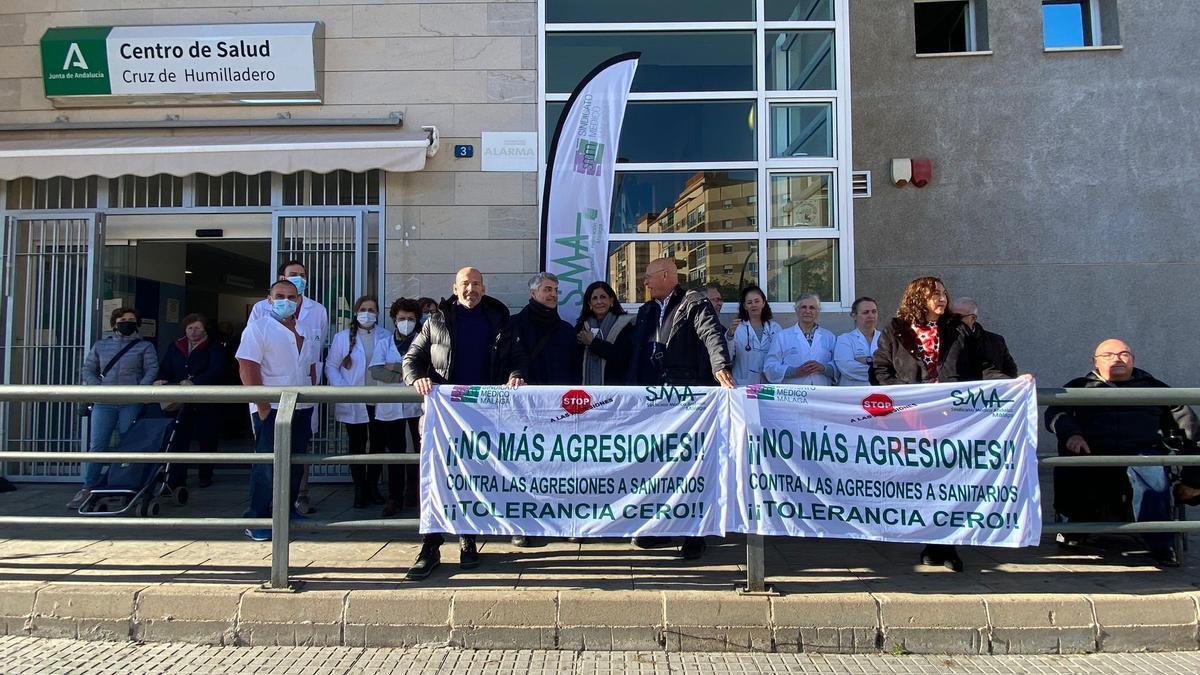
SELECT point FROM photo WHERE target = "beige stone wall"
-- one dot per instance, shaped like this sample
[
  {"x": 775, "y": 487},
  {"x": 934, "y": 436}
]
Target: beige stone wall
[{"x": 465, "y": 67}]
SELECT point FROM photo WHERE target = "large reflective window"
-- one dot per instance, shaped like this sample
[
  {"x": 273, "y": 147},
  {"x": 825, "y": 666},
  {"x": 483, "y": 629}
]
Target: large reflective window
[
  {"x": 801, "y": 130},
  {"x": 701, "y": 61},
  {"x": 681, "y": 131},
  {"x": 684, "y": 201},
  {"x": 798, "y": 266},
  {"x": 798, "y": 10},
  {"x": 801, "y": 200},
  {"x": 728, "y": 264},
  {"x": 800, "y": 60},
  {"x": 637, "y": 11}
]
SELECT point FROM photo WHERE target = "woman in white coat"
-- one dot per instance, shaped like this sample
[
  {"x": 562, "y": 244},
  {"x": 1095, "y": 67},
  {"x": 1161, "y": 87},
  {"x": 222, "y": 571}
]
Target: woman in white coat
[
  {"x": 346, "y": 366},
  {"x": 802, "y": 354},
  {"x": 404, "y": 480},
  {"x": 852, "y": 355},
  {"x": 750, "y": 336}
]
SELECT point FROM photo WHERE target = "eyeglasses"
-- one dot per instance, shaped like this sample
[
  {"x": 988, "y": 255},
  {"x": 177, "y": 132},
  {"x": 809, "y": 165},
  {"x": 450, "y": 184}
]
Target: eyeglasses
[{"x": 1113, "y": 356}]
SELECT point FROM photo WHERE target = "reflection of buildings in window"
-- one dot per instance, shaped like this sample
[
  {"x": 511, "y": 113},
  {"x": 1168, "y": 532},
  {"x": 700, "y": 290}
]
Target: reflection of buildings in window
[{"x": 707, "y": 197}]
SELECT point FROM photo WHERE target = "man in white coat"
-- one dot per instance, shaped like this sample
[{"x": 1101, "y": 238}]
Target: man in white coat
[
  {"x": 853, "y": 353},
  {"x": 312, "y": 321},
  {"x": 802, "y": 354}
]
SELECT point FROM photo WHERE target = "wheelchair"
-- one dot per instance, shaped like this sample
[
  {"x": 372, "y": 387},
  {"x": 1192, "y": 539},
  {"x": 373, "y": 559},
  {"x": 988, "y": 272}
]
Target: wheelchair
[{"x": 1104, "y": 494}]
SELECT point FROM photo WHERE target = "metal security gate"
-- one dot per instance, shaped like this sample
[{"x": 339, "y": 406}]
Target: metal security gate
[
  {"x": 51, "y": 317},
  {"x": 332, "y": 244}
]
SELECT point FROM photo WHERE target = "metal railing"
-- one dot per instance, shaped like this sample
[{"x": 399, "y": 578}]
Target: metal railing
[{"x": 282, "y": 459}]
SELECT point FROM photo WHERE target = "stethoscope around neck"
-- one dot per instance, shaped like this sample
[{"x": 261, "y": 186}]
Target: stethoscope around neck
[{"x": 767, "y": 334}]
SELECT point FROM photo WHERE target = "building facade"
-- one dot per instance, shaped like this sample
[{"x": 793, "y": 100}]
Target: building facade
[{"x": 757, "y": 148}]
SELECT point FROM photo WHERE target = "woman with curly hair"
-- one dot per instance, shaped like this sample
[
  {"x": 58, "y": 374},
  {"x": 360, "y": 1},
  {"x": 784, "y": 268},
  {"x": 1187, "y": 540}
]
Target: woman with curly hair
[{"x": 925, "y": 344}]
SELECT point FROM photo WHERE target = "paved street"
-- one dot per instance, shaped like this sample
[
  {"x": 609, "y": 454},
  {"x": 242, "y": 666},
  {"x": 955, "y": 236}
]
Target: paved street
[
  {"x": 21, "y": 655},
  {"x": 357, "y": 560}
]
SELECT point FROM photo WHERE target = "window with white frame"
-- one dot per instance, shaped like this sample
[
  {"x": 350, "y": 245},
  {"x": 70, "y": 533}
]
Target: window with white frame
[
  {"x": 950, "y": 26},
  {"x": 1072, "y": 24},
  {"x": 733, "y": 100}
]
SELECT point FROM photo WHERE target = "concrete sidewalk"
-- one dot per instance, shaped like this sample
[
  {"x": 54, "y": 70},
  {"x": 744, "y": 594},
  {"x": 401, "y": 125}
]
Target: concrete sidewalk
[{"x": 831, "y": 596}]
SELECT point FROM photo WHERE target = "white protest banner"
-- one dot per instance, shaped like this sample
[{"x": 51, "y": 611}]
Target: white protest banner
[
  {"x": 578, "y": 191},
  {"x": 937, "y": 463},
  {"x": 574, "y": 461}
]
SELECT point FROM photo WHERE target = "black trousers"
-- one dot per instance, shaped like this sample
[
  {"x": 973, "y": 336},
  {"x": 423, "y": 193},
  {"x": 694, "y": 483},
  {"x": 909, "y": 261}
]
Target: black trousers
[
  {"x": 386, "y": 437},
  {"x": 201, "y": 421},
  {"x": 406, "y": 478}
]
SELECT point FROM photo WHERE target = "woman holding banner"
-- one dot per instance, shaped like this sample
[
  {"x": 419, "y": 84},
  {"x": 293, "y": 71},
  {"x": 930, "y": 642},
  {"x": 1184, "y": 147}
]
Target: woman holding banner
[
  {"x": 605, "y": 340},
  {"x": 924, "y": 344}
]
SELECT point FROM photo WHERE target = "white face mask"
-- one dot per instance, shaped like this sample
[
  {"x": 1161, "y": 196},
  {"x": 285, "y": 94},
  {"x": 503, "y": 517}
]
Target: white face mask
[
  {"x": 365, "y": 319},
  {"x": 406, "y": 326}
]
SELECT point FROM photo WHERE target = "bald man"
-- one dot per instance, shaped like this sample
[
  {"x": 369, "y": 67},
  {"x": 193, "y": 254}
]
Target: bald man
[
  {"x": 678, "y": 341},
  {"x": 468, "y": 341},
  {"x": 1140, "y": 493}
]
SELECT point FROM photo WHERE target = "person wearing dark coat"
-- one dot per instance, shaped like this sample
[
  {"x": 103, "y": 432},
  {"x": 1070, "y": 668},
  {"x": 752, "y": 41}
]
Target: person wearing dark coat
[
  {"x": 925, "y": 344},
  {"x": 605, "y": 335},
  {"x": 677, "y": 340},
  {"x": 194, "y": 359},
  {"x": 1139, "y": 493},
  {"x": 469, "y": 340},
  {"x": 548, "y": 341},
  {"x": 549, "y": 345},
  {"x": 993, "y": 346}
]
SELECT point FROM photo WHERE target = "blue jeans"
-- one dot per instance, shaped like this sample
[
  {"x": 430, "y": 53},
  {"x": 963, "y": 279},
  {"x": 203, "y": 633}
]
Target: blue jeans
[
  {"x": 105, "y": 419},
  {"x": 261, "y": 474},
  {"x": 1151, "y": 500}
]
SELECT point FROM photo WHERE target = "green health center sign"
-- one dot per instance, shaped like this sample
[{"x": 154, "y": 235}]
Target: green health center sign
[{"x": 266, "y": 63}]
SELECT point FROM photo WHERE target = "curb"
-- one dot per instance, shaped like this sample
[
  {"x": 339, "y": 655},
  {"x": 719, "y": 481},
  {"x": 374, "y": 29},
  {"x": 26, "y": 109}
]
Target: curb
[{"x": 676, "y": 621}]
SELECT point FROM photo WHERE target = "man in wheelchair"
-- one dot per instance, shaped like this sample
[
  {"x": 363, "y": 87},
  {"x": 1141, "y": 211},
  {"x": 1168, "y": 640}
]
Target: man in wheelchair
[{"x": 1139, "y": 493}]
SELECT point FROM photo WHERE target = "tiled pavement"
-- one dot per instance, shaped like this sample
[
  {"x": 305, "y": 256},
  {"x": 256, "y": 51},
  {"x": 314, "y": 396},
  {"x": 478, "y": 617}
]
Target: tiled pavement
[
  {"x": 30, "y": 656},
  {"x": 348, "y": 561},
  {"x": 832, "y": 596}
]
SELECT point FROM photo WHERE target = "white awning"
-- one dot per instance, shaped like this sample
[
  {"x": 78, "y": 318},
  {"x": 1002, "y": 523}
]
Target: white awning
[{"x": 136, "y": 153}]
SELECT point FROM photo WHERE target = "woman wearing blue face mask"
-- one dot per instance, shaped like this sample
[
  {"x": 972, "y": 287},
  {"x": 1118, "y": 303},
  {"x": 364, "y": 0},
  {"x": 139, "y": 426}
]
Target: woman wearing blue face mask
[
  {"x": 350, "y": 354},
  {"x": 403, "y": 479},
  {"x": 121, "y": 357}
]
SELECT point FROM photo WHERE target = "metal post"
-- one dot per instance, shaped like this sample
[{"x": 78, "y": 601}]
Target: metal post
[
  {"x": 756, "y": 564},
  {"x": 281, "y": 492}
]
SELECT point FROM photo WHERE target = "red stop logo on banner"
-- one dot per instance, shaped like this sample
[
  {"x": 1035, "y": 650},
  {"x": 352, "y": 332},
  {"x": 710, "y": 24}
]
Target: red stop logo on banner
[
  {"x": 577, "y": 402},
  {"x": 878, "y": 405}
]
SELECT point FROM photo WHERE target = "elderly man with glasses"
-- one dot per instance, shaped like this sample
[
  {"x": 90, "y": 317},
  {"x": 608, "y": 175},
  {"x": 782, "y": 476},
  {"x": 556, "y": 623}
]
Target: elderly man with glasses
[
  {"x": 677, "y": 342},
  {"x": 1139, "y": 493}
]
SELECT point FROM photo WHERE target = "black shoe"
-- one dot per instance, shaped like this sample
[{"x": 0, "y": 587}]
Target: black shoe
[
  {"x": 574, "y": 540},
  {"x": 693, "y": 548},
  {"x": 360, "y": 498},
  {"x": 931, "y": 557},
  {"x": 953, "y": 563},
  {"x": 427, "y": 560},
  {"x": 1165, "y": 557},
  {"x": 205, "y": 481},
  {"x": 651, "y": 542},
  {"x": 1072, "y": 540},
  {"x": 521, "y": 541},
  {"x": 468, "y": 554}
]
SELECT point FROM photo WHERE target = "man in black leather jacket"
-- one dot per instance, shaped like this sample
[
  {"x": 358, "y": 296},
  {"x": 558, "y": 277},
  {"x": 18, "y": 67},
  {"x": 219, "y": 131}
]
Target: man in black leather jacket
[
  {"x": 677, "y": 340},
  {"x": 469, "y": 341}
]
